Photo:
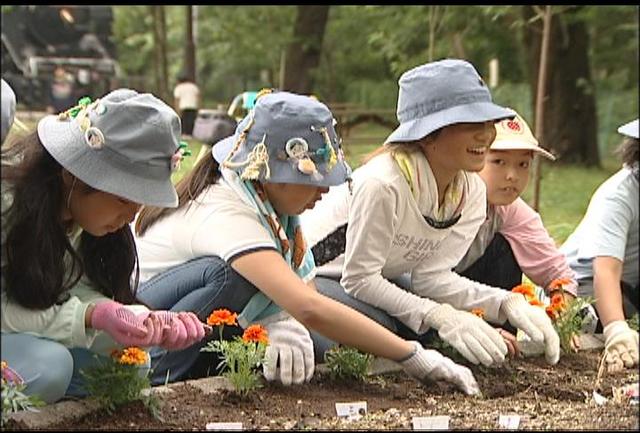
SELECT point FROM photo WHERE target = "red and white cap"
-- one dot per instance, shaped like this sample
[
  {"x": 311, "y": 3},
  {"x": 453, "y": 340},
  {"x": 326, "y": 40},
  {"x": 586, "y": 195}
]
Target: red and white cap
[{"x": 514, "y": 134}]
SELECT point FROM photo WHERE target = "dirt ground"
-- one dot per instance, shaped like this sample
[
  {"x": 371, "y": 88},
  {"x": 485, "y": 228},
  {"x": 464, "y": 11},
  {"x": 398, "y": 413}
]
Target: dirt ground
[{"x": 544, "y": 397}]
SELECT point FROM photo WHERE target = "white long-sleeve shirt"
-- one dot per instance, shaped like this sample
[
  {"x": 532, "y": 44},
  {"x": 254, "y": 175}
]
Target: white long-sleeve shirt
[{"x": 386, "y": 236}]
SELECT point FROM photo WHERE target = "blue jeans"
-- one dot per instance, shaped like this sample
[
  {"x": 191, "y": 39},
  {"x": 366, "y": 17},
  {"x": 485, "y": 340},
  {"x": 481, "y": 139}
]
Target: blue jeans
[{"x": 200, "y": 285}]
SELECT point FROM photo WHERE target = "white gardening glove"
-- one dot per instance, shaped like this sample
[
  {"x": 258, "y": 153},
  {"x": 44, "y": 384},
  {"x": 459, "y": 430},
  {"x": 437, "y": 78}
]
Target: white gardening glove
[
  {"x": 289, "y": 356},
  {"x": 534, "y": 322},
  {"x": 620, "y": 345},
  {"x": 474, "y": 338},
  {"x": 426, "y": 364}
]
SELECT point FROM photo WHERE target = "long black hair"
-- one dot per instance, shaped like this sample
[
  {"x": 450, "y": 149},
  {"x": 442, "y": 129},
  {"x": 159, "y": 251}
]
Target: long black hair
[{"x": 36, "y": 274}]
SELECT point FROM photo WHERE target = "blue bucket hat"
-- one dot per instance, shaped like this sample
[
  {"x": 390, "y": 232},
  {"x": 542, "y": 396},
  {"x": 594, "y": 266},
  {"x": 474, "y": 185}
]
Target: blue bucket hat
[
  {"x": 285, "y": 138},
  {"x": 126, "y": 143},
  {"x": 631, "y": 129},
  {"x": 8, "y": 109},
  {"x": 438, "y": 94}
]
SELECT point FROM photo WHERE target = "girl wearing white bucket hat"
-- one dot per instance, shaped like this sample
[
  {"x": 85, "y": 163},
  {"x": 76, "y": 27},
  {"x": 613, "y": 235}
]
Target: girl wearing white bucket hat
[
  {"x": 69, "y": 191},
  {"x": 604, "y": 253},
  {"x": 235, "y": 242},
  {"x": 415, "y": 208}
]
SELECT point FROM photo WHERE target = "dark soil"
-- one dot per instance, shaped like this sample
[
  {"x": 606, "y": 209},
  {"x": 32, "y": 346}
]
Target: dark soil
[{"x": 544, "y": 397}]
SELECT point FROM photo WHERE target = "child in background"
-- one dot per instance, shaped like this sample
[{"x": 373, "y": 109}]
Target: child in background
[
  {"x": 69, "y": 191},
  {"x": 603, "y": 252}
]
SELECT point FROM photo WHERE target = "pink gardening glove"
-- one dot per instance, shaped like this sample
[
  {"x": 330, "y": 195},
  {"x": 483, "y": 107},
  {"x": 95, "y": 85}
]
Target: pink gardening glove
[
  {"x": 181, "y": 330},
  {"x": 124, "y": 326}
]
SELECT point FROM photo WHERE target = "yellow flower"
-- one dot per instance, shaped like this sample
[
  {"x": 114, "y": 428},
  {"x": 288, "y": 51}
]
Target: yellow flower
[
  {"x": 255, "y": 334},
  {"x": 222, "y": 317},
  {"x": 130, "y": 356}
]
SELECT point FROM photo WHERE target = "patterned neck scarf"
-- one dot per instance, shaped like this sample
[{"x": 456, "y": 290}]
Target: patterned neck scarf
[{"x": 422, "y": 183}]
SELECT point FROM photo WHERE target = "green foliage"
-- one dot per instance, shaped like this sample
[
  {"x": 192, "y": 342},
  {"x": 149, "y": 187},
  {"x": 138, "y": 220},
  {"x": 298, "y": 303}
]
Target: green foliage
[
  {"x": 14, "y": 399},
  {"x": 569, "y": 323},
  {"x": 240, "y": 362},
  {"x": 113, "y": 384},
  {"x": 633, "y": 322},
  {"x": 347, "y": 363}
]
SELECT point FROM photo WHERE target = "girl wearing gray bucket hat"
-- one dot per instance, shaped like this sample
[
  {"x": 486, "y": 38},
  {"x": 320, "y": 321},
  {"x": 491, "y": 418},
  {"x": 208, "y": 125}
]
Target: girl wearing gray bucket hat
[
  {"x": 235, "y": 243},
  {"x": 415, "y": 207},
  {"x": 69, "y": 191},
  {"x": 604, "y": 253}
]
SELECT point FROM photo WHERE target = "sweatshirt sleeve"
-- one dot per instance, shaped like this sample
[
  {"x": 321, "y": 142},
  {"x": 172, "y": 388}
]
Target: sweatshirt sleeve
[
  {"x": 434, "y": 278},
  {"x": 370, "y": 233},
  {"x": 534, "y": 250}
]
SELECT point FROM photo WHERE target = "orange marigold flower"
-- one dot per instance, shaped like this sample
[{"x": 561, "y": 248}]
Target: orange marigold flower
[
  {"x": 130, "y": 356},
  {"x": 222, "y": 317},
  {"x": 478, "y": 312},
  {"x": 536, "y": 302},
  {"x": 526, "y": 289},
  {"x": 559, "y": 283},
  {"x": 557, "y": 301},
  {"x": 551, "y": 312},
  {"x": 255, "y": 334}
]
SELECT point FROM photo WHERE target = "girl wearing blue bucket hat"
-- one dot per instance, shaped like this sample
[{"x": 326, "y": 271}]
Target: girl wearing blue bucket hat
[
  {"x": 415, "y": 207},
  {"x": 235, "y": 242},
  {"x": 604, "y": 253},
  {"x": 69, "y": 191}
]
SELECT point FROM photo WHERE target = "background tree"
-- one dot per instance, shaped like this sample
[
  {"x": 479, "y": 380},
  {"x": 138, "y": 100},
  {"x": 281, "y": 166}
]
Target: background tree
[
  {"x": 160, "y": 51},
  {"x": 303, "y": 53},
  {"x": 189, "y": 48}
]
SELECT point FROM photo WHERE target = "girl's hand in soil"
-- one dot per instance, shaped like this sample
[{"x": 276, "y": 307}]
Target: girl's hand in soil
[
  {"x": 534, "y": 322},
  {"x": 425, "y": 365},
  {"x": 474, "y": 338},
  {"x": 291, "y": 347},
  {"x": 511, "y": 341},
  {"x": 620, "y": 346}
]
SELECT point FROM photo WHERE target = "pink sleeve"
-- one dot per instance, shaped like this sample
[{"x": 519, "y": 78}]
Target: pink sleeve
[{"x": 534, "y": 250}]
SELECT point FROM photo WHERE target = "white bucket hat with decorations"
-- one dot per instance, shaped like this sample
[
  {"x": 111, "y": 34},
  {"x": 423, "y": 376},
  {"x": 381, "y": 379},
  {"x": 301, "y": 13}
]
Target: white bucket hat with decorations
[
  {"x": 631, "y": 129},
  {"x": 285, "y": 138},
  {"x": 125, "y": 143},
  {"x": 515, "y": 134}
]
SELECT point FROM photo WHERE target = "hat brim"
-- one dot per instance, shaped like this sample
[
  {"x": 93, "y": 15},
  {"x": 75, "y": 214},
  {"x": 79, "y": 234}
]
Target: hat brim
[
  {"x": 631, "y": 129},
  {"x": 470, "y": 113},
  {"x": 519, "y": 145},
  {"x": 65, "y": 142},
  {"x": 221, "y": 149}
]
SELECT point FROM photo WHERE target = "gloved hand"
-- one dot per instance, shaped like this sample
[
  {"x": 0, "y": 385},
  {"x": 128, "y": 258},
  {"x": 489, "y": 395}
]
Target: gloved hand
[
  {"x": 428, "y": 364},
  {"x": 474, "y": 338},
  {"x": 124, "y": 326},
  {"x": 290, "y": 345},
  {"x": 180, "y": 330},
  {"x": 620, "y": 345},
  {"x": 534, "y": 322}
]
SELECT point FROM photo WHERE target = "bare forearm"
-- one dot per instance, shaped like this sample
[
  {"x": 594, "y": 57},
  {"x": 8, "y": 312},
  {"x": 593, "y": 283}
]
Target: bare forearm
[{"x": 607, "y": 290}]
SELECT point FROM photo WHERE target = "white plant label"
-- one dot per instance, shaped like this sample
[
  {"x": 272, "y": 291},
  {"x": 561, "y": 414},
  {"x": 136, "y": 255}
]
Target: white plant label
[
  {"x": 440, "y": 422},
  {"x": 353, "y": 410},
  {"x": 510, "y": 422},
  {"x": 224, "y": 426}
]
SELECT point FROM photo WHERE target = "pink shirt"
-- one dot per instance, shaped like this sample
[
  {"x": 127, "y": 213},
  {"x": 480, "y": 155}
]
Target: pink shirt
[{"x": 533, "y": 248}]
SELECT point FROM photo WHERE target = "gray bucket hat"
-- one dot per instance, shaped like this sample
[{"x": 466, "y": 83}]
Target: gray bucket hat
[
  {"x": 439, "y": 94},
  {"x": 8, "y": 109},
  {"x": 125, "y": 143},
  {"x": 285, "y": 138},
  {"x": 631, "y": 129}
]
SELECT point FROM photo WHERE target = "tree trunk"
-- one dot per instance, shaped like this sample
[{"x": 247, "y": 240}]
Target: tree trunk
[
  {"x": 303, "y": 53},
  {"x": 160, "y": 51},
  {"x": 570, "y": 121},
  {"x": 190, "y": 47}
]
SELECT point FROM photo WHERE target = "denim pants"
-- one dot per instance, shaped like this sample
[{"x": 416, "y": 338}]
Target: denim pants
[{"x": 200, "y": 285}]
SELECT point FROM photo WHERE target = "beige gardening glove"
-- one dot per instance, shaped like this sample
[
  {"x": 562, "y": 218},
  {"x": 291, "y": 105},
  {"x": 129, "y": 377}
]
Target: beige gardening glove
[
  {"x": 425, "y": 365},
  {"x": 474, "y": 338},
  {"x": 534, "y": 322},
  {"x": 620, "y": 346},
  {"x": 289, "y": 356}
]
